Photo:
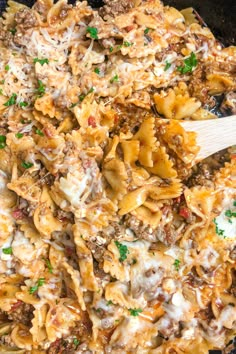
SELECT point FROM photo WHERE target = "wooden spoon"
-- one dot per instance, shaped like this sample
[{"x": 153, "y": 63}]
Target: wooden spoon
[{"x": 212, "y": 135}]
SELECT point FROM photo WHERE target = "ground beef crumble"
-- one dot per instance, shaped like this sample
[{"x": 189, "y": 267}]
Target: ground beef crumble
[
  {"x": 21, "y": 313},
  {"x": 112, "y": 8}
]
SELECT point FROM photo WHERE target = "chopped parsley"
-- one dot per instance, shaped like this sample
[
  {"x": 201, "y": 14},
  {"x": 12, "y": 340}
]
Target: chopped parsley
[
  {"x": 41, "y": 61},
  {"x": 230, "y": 214},
  {"x": 111, "y": 49},
  {"x": 12, "y": 30},
  {"x": 19, "y": 135},
  {"x": 123, "y": 249},
  {"x": 90, "y": 90},
  {"x": 93, "y": 31},
  {"x": 39, "y": 283},
  {"x": 49, "y": 266},
  {"x": 135, "y": 312},
  {"x": 7, "y": 67},
  {"x": 1, "y": 92},
  {"x": 177, "y": 264},
  {"x": 41, "y": 88},
  {"x": 7, "y": 250},
  {"x": 234, "y": 203},
  {"x": 109, "y": 303},
  {"x": 81, "y": 98},
  {"x": 146, "y": 30},
  {"x": 26, "y": 165},
  {"x": 97, "y": 71},
  {"x": 127, "y": 44},
  {"x": 39, "y": 132},
  {"x": 114, "y": 79},
  {"x": 2, "y": 141},
  {"x": 167, "y": 66},
  {"x": 23, "y": 104},
  {"x": 219, "y": 232},
  {"x": 76, "y": 342},
  {"x": 2, "y": 82},
  {"x": 189, "y": 64},
  {"x": 11, "y": 101}
]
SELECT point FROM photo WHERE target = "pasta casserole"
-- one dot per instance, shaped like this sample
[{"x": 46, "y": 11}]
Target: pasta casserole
[{"x": 112, "y": 240}]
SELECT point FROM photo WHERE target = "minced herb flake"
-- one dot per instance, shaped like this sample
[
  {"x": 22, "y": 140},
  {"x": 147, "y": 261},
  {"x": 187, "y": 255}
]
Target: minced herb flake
[
  {"x": 135, "y": 312},
  {"x": 93, "y": 31},
  {"x": 41, "y": 61},
  {"x": 123, "y": 249},
  {"x": 167, "y": 66},
  {"x": 39, "y": 283},
  {"x": 11, "y": 101},
  {"x": 189, "y": 64},
  {"x": 26, "y": 165},
  {"x": 177, "y": 264},
  {"x": 3, "y": 141},
  {"x": 114, "y": 79},
  {"x": 7, "y": 250}
]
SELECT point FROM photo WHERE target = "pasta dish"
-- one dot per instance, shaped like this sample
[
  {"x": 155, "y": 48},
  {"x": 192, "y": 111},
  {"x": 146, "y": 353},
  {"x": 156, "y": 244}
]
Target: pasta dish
[{"x": 112, "y": 240}]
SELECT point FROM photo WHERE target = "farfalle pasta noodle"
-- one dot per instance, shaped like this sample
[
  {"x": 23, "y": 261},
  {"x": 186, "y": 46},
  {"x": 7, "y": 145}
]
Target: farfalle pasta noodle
[{"x": 110, "y": 240}]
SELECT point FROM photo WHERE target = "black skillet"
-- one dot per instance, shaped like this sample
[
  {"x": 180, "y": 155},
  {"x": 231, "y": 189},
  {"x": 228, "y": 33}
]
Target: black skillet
[{"x": 220, "y": 16}]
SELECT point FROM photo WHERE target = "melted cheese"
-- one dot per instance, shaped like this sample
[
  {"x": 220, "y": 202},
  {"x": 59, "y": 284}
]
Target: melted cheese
[{"x": 227, "y": 224}]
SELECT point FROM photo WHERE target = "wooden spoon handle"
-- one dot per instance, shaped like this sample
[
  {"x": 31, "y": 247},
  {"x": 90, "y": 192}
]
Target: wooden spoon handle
[{"x": 213, "y": 135}]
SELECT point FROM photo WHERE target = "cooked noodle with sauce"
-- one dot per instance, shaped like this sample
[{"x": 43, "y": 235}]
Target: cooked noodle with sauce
[{"x": 111, "y": 239}]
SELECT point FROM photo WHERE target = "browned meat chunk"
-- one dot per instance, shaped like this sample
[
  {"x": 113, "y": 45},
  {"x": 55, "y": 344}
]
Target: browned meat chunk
[
  {"x": 21, "y": 313},
  {"x": 25, "y": 18},
  {"x": 112, "y": 8}
]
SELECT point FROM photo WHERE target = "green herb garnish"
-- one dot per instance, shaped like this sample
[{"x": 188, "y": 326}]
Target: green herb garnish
[
  {"x": 2, "y": 82},
  {"x": 39, "y": 283},
  {"x": 135, "y": 312},
  {"x": 234, "y": 203},
  {"x": 230, "y": 214},
  {"x": 127, "y": 44},
  {"x": 189, "y": 64},
  {"x": 19, "y": 135},
  {"x": 219, "y": 232},
  {"x": 13, "y": 31},
  {"x": 2, "y": 141},
  {"x": 76, "y": 342},
  {"x": 93, "y": 31},
  {"x": 111, "y": 49},
  {"x": 81, "y": 97},
  {"x": 1, "y": 91},
  {"x": 41, "y": 88},
  {"x": 26, "y": 165},
  {"x": 7, "y": 250},
  {"x": 49, "y": 266},
  {"x": 167, "y": 66},
  {"x": 114, "y": 79},
  {"x": 90, "y": 90},
  {"x": 97, "y": 71},
  {"x": 41, "y": 61},
  {"x": 11, "y": 101},
  {"x": 109, "y": 303},
  {"x": 123, "y": 249},
  {"x": 177, "y": 264},
  {"x": 39, "y": 132},
  {"x": 7, "y": 67},
  {"x": 146, "y": 30},
  {"x": 23, "y": 104}
]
